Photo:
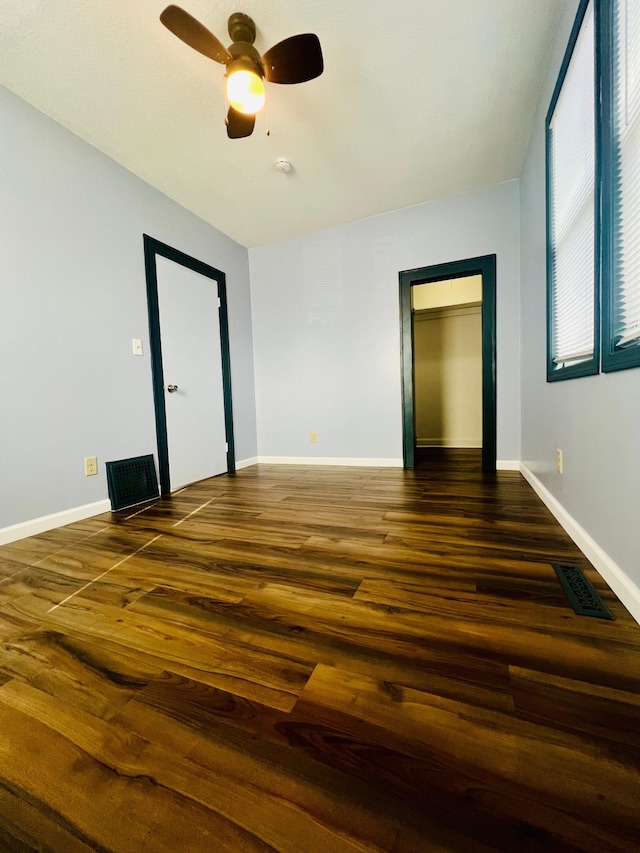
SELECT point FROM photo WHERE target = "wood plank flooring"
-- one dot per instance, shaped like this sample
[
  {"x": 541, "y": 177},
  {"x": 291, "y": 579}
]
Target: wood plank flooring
[{"x": 316, "y": 659}]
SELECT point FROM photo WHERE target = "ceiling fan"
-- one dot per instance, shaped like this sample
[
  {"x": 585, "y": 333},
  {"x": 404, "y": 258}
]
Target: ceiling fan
[{"x": 294, "y": 60}]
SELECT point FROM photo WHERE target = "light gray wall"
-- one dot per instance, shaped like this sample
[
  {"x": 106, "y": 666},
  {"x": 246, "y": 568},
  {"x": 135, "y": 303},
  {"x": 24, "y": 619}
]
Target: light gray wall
[
  {"x": 72, "y": 296},
  {"x": 593, "y": 420},
  {"x": 326, "y": 324}
]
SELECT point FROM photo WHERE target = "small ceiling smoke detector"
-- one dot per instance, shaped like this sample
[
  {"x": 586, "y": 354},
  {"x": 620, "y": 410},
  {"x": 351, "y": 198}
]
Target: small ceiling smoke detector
[{"x": 283, "y": 166}]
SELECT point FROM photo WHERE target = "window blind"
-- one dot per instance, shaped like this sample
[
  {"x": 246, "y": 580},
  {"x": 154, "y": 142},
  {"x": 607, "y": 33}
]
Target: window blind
[
  {"x": 572, "y": 150},
  {"x": 625, "y": 320}
]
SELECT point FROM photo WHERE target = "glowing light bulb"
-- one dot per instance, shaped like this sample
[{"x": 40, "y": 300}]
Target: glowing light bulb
[{"x": 245, "y": 91}]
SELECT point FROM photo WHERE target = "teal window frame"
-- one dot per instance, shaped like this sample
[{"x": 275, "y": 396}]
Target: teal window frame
[
  {"x": 590, "y": 366},
  {"x": 614, "y": 357},
  {"x": 607, "y": 355}
]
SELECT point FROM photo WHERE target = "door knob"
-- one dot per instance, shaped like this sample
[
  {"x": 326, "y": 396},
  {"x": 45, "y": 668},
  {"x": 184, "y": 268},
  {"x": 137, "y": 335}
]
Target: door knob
[{"x": 172, "y": 388}]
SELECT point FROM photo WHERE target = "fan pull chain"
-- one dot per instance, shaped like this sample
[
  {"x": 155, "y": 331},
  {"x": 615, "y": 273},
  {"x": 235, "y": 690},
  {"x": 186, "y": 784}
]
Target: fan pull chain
[{"x": 266, "y": 116}]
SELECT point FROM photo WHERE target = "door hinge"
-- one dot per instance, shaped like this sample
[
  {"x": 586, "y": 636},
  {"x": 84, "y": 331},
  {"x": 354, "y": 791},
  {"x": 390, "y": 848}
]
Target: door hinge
[
  {"x": 219, "y": 302},
  {"x": 226, "y": 447}
]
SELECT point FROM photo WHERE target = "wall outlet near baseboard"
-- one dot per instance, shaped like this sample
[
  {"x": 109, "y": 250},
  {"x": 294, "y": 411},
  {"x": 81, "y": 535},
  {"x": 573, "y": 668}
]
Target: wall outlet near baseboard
[
  {"x": 559, "y": 461},
  {"x": 313, "y": 438},
  {"x": 90, "y": 466}
]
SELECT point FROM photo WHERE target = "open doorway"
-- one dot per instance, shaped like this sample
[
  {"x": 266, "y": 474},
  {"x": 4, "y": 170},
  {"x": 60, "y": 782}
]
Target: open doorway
[
  {"x": 447, "y": 369},
  {"x": 448, "y": 359}
]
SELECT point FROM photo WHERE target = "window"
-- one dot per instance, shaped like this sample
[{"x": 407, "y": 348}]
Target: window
[
  {"x": 593, "y": 195},
  {"x": 571, "y": 209},
  {"x": 621, "y": 295}
]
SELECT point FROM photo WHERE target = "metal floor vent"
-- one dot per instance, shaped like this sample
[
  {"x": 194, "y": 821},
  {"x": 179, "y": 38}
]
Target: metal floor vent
[
  {"x": 583, "y": 597},
  {"x": 132, "y": 481}
]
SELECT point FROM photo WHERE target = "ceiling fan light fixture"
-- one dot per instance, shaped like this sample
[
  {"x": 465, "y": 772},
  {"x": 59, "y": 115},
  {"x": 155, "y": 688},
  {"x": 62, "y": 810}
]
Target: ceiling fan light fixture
[
  {"x": 245, "y": 87},
  {"x": 293, "y": 60}
]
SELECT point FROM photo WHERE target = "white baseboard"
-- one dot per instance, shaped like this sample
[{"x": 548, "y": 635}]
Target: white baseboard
[
  {"x": 501, "y": 464},
  {"x": 618, "y": 580},
  {"x": 358, "y": 462},
  {"x": 507, "y": 465},
  {"x": 49, "y": 522},
  {"x": 246, "y": 463}
]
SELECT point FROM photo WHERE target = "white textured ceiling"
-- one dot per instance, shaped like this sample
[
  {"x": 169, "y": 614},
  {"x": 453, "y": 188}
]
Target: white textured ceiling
[{"x": 420, "y": 99}]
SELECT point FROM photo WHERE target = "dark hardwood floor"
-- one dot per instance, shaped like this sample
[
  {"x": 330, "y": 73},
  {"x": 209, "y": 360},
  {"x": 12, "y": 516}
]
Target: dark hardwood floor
[{"x": 316, "y": 659}]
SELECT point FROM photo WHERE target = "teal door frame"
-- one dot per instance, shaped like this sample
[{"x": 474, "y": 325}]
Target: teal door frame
[
  {"x": 486, "y": 267},
  {"x": 153, "y": 247}
]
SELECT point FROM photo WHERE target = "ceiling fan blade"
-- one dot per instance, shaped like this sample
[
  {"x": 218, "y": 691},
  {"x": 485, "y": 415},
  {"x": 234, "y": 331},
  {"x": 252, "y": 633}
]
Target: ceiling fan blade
[
  {"x": 193, "y": 33},
  {"x": 239, "y": 124},
  {"x": 294, "y": 60}
]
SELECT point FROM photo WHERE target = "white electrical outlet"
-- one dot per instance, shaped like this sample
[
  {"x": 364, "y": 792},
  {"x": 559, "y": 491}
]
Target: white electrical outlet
[
  {"x": 559, "y": 461},
  {"x": 137, "y": 346},
  {"x": 90, "y": 466},
  {"x": 314, "y": 438}
]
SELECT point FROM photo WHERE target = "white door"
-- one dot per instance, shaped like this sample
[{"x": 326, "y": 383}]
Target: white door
[{"x": 192, "y": 369}]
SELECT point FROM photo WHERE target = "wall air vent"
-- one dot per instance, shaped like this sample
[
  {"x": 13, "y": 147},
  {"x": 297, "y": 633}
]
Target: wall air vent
[
  {"x": 581, "y": 594},
  {"x": 132, "y": 481}
]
